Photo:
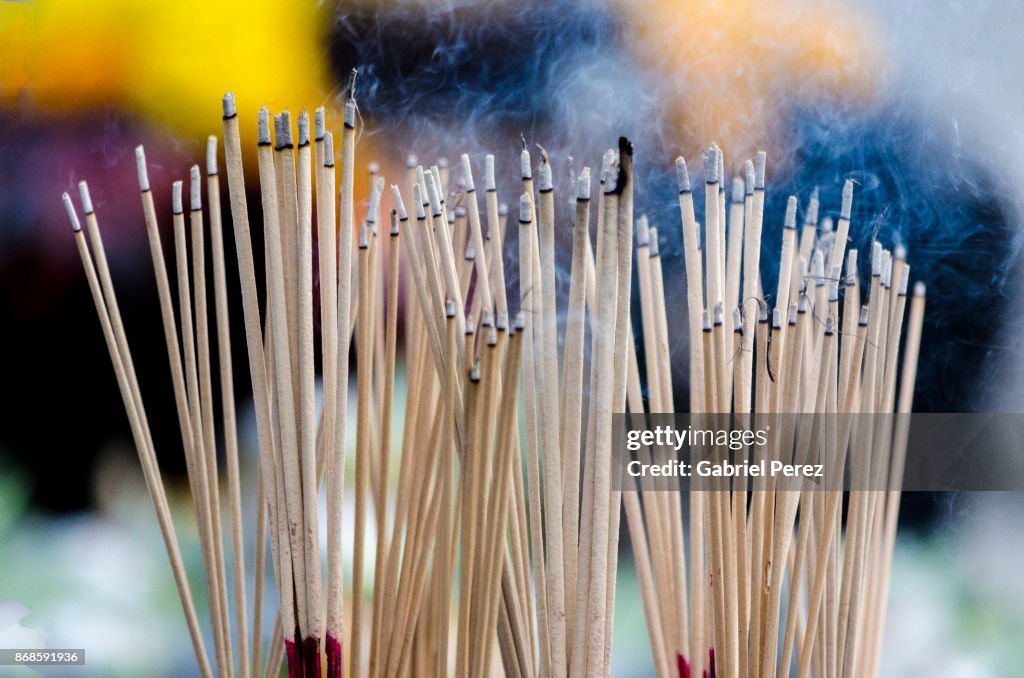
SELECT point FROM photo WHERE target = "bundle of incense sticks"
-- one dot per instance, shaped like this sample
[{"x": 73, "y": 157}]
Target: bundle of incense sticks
[
  {"x": 766, "y": 592},
  {"x": 496, "y": 551}
]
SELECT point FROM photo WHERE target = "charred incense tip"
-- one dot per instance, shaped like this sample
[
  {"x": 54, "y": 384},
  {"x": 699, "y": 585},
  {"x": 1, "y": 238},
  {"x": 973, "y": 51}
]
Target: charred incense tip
[
  {"x": 719, "y": 315},
  {"x": 776, "y": 319},
  {"x": 737, "y": 189},
  {"x": 682, "y": 176},
  {"x": 762, "y": 311},
  {"x": 899, "y": 253},
  {"x": 374, "y": 206},
  {"x": 474, "y": 374},
  {"x": 228, "y": 105},
  {"x": 283, "y": 130},
  {"x": 211, "y": 156},
  {"x": 263, "y": 127},
  {"x": 904, "y": 281},
  {"x": 864, "y": 313},
  {"x": 349, "y": 116},
  {"x": 525, "y": 209},
  {"x": 449, "y": 308},
  {"x": 364, "y": 237},
  {"x": 851, "y": 267},
  {"x": 350, "y": 94},
  {"x": 847, "y": 206},
  {"x": 737, "y": 321},
  {"x": 760, "y": 162},
  {"x": 467, "y": 173},
  {"x": 486, "y": 318},
  {"x": 520, "y": 322},
  {"x": 69, "y": 206},
  {"x": 711, "y": 165},
  {"x": 818, "y": 266},
  {"x": 811, "y": 218},
  {"x": 748, "y": 176},
  {"x": 919, "y": 289},
  {"x": 417, "y": 198},
  {"x": 876, "y": 258},
  {"x": 524, "y": 163},
  {"x": 433, "y": 194},
  {"x": 833, "y": 288},
  {"x": 790, "y": 221},
  {"x": 611, "y": 180},
  {"x": 489, "y": 184},
  {"x": 583, "y": 184},
  {"x": 176, "y": 198},
  {"x": 319, "y": 123},
  {"x": 544, "y": 180},
  {"x": 721, "y": 166},
  {"x": 830, "y": 325},
  {"x": 793, "y": 310},
  {"x": 83, "y": 192},
  {"x": 394, "y": 222},
  {"x": 195, "y": 192},
  {"x": 328, "y": 149},
  {"x": 303, "y": 125},
  {"x": 886, "y": 269},
  {"x": 801, "y": 305},
  {"x": 642, "y": 231},
  {"x": 470, "y": 327},
  {"x": 654, "y": 247},
  {"x": 706, "y": 320},
  {"x": 140, "y": 167}
]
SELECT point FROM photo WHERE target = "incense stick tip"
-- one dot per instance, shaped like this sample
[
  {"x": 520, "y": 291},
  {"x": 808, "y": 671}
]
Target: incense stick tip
[
  {"x": 524, "y": 163},
  {"x": 711, "y": 165},
  {"x": 283, "y": 130},
  {"x": 919, "y": 289},
  {"x": 140, "y": 166},
  {"x": 394, "y": 221},
  {"x": 827, "y": 225},
  {"x": 303, "y": 124},
  {"x": 790, "y": 221},
  {"x": 176, "y": 198},
  {"x": 682, "y": 176},
  {"x": 467, "y": 172},
  {"x": 373, "y": 168},
  {"x": 847, "y": 205},
  {"x": 904, "y": 281},
  {"x": 899, "y": 253},
  {"x": 864, "y": 313},
  {"x": 525, "y": 208},
  {"x": 433, "y": 193},
  {"x": 489, "y": 173},
  {"x": 503, "y": 209},
  {"x": 263, "y": 127},
  {"x": 583, "y": 184},
  {"x": 449, "y": 308},
  {"x": 654, "y": 248},
  {"x": 719, "y": 315},
  {"x": 737, "y": 320},
  {"x": 396, "y": 196},
  {"x": 319, "y": 123},
  {"x": 211, "y": 155},
  {"x": 411, "y": 161},
  {"x": 737, "y": 189},
  {"x": 642, "y": 231},
  {"x": 328, "y": 149},
  {"x": 195, "y": 194},
  {"x": 228, "y": 105},
  {"x": 706, "y": 320},
  {"x": 520, "y": 322},
  {"x": 76, "y": 225},
  {"x": 811, "y": 218},
  {"x": 83, "y": 192},
  {"x": 760, "y": 163},
  {"x": 748, "y": 176},
  {"x": 876, "y": 258}
]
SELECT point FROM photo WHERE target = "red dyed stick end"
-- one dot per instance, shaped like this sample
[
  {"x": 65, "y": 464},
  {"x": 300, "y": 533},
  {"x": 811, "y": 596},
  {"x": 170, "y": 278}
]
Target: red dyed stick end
[
  {"x": 311, "y": 657},
  {"x": 682, "y": 665},
  {"x": 291, "y": 651},
  {"x": 333, "y": 648}
]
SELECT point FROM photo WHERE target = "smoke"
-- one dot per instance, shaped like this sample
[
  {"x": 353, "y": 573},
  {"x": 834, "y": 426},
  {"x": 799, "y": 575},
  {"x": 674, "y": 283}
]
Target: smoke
[{"x": 439, "y": 79}]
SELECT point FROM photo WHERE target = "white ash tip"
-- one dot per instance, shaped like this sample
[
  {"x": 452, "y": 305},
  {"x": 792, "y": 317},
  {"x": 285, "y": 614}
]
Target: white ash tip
[
  {"x": 830, "y": 324},
  {"x": 865, "y": 311},
  {"x": 610, "y": 178},
  {"x": 762, "y": 311},
  {"x": 211, "y": 155},
  {"x": 503, "y": 209},
  {"x": 195, "y": 184},
  {"x": 904, "y": 280},
  {"x": 876, "y": 258},
  {"x": 583, "y": 184},
  {"x": 811, "y": 218},
  {"x": 525, "y": 209},
  {"x": 737, "y": 320},
  {"x": 851, "y": 265},
  {"x": 790, "y": 221},
  {"x": 303, "y": 125},
  {"x": 826, "y": 225},
  {"x": 711, "y": 166},
  {"x": 737, "y": 189},
  {"x": 706, "y": 320},
  {"x": 176, "y": 198},
  {"x": 520, "y": 322},
  {"x": 328, "y": 149},
  {"x": 919, "y": 289},
  {"x": 283, "y": 128},
  {"x": 719, "y": 316},
  {"x": 364, "y": 237},
  {"x": 642, "y": 231},
  {"x": 721, "y": 165},
  {"x": 319, "y": 123},
  {"x": 140, "y": 166},
  {"x": 899, "y": 253},
  {"x": 793, "y": 310},
  {"x": 83, "y": 192},
  {"x": 776, "y": 319},
  {"x": 818, "y": 264},
  {"x": 524, "y": 165},
  {"x": 682, "y": 176},
  {"x": 886, "y": 269},
  {"x": 467, "y": 172},
  {"x": 449, "y": 308},
  {"x": 847, "y": 207},
  {"x": 748, "y": 176},
  {"x": 396, "y": 196},
  {"x": 442, "y": 161},
  {"x": 228, "y": 105},
  {"x": 801, "y": 305},
  {"x": 76, "y": 225},
  {"x": 544, "y": 180},
  {"x": 263, "y": 127},
  {"x": 394, "y": 222},
  {"x": 374, "y": 204},
  {"x": 432, "y": 193},
  {"x": 417, "y": 197},
  {"x": 652, "y": 240},
  {"x": 411, "y": 161},
  {"x": 470, "y": 329},
  {"x": 489, "y": 173},
  {"x": 350, "y": 113},
  {"x": 833, "y": 287},
  {"x": 760, "y": 162},
  {"x": 486, "y": 318},
  {"x": 373, "y": 168}
]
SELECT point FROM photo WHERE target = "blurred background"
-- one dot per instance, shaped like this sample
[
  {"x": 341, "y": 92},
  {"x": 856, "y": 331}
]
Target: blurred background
[{"x": 920, "y": 103}]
